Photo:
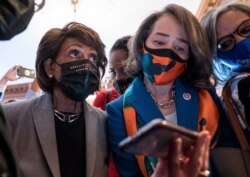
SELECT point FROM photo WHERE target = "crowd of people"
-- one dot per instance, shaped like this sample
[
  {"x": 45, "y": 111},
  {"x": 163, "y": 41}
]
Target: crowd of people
[{"x": 170, "y": 69}]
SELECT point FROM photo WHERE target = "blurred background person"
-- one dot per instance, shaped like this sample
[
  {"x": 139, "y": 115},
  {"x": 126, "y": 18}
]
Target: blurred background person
[
  {"x": 33, "y": 90},
  {"x": 11, "y": 25},
  {"x": 10, "y": 75},
  {"x": 118, "y": 54}
]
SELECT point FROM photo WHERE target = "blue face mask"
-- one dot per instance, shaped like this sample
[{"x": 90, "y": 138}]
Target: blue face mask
[{"x": 237, "y": 59}]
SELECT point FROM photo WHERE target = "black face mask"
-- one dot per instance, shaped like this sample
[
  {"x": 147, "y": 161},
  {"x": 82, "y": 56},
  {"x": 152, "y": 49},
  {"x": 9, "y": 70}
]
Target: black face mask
[
  {"x": 121, "y": 85},
  {"x": 79, "y": 79}
]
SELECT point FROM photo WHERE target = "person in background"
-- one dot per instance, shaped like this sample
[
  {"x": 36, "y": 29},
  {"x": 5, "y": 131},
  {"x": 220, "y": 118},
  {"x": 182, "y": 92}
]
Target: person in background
[
  {"x": 118, "y": 54},
  {"x": 59, "y": 130},
  {"x": 10, "y": 26},
  {"x": 10, "y": 75},
  {"x": 229, "y": 42},
  {"x": 33, "y": 90},
  {"x": 228, "y": 31},
  {"x": 172, "y": 66},
  {"x": 230, "y": 45},
  {"x": 103, "y": 96}
]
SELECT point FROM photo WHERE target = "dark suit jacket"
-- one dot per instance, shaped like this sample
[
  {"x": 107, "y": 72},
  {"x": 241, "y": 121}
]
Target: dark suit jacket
[
  {"x": 8, "y": 164},
  {"x": 33, "y": 128}
]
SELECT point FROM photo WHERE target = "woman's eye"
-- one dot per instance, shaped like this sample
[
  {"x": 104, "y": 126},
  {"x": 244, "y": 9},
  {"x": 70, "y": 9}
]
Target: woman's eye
[
  {"x": 75, "y": 53},
  {"x": 93, "y": 58},
  {"x": 180, "y": 49},
  {"x": 157, "y": 42}
]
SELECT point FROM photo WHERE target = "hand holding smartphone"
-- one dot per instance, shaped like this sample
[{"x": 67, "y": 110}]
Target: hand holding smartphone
[
  {"x": 153, "y": 139},
  {"x": 25, "y": 72}
]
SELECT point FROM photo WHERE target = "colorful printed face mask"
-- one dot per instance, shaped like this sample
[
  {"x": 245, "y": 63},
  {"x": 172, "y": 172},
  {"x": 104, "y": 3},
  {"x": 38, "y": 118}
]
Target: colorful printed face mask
[
  {"x": 161, "y": 66},
  {"x": 79, "y": 79},
  {"x": 238, "y": 58}
]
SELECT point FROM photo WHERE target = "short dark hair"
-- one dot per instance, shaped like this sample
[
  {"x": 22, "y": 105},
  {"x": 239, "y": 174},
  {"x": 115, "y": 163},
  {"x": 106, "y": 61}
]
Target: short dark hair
[
  {"x": 52, "y": 41},
  {"x": 121, "y": 43}
]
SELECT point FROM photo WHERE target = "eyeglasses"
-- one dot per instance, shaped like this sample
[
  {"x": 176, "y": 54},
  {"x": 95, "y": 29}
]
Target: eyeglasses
[{"x": 228, "y": 42}]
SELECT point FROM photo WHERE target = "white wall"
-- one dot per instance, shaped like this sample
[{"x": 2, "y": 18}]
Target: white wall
[{"x": 110, "y": 18}]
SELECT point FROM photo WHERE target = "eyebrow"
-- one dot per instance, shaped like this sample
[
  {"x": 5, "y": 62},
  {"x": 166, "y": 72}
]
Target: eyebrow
[{"x": 167, "y": 35}]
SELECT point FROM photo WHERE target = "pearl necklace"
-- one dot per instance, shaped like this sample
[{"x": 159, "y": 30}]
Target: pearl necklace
[{"x": 165, "y": 104}]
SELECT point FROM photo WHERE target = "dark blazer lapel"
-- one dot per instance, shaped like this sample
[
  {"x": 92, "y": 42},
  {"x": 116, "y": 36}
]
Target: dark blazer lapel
[
  {"x": 143, "y": 103},
  {"x": 45, "y": 126},
  {"x": 91, "y": 134},
  {"x": 187, "y": 106}
]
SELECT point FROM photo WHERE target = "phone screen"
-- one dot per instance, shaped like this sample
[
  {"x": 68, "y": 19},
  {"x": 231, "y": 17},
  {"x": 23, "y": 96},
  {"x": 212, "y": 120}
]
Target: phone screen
[
  {"x": 153, "y": 139},
  {"x": 26, "y": 72}
]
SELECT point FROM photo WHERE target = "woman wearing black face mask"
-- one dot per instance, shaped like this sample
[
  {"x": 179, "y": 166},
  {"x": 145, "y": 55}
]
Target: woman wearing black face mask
[
  {"x": 119, "y": 53},
  {"x": 59, "y": 134}
]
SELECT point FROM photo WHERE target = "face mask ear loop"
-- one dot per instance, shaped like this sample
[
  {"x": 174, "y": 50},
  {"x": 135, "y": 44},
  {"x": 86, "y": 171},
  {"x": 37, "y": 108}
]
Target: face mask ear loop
[{"x": 145, "y": 47}]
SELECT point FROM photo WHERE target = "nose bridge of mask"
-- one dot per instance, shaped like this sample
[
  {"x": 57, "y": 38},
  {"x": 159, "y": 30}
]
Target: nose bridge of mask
[
  {"x": 163, "y": 54},
  {"x": 240, "y": 51},
  {"x": 161, "y": 60},
  {"x": 122, "y": 84},
  {"x": 238, "y": 58}
]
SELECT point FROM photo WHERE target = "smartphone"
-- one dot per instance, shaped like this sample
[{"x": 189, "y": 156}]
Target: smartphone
[
  {"x": 25, "y": 72},
  {"x": 153, "y": 139}
]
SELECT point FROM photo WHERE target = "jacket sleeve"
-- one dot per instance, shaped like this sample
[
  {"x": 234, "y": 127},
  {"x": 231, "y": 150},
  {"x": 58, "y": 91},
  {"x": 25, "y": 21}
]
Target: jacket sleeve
[
  {"x": 226, "y": 136},
  {"x": 100, "y": 100},
  {"x": 125, "y": 163}
]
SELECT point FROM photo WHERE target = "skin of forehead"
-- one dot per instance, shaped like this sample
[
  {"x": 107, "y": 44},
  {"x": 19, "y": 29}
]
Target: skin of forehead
[
  {"x": 174, "y": 27},
  {"x": 74, "y": 42},
  {"x": 224, "y": 24},
  {"x": 116, "y": 58},
  {"x": 173, "y": 32}
]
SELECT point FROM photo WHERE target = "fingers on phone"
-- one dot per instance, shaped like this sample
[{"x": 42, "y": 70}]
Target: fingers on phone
[
  {"x": 200, "y": 157},
  {"x": 174, "y": 156},
  {"x": 16, "y": 67}
]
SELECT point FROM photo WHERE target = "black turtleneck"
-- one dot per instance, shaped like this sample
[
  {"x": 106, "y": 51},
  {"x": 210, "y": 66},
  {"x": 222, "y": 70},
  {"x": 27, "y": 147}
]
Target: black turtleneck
[{"x": 71, "y": 146}]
